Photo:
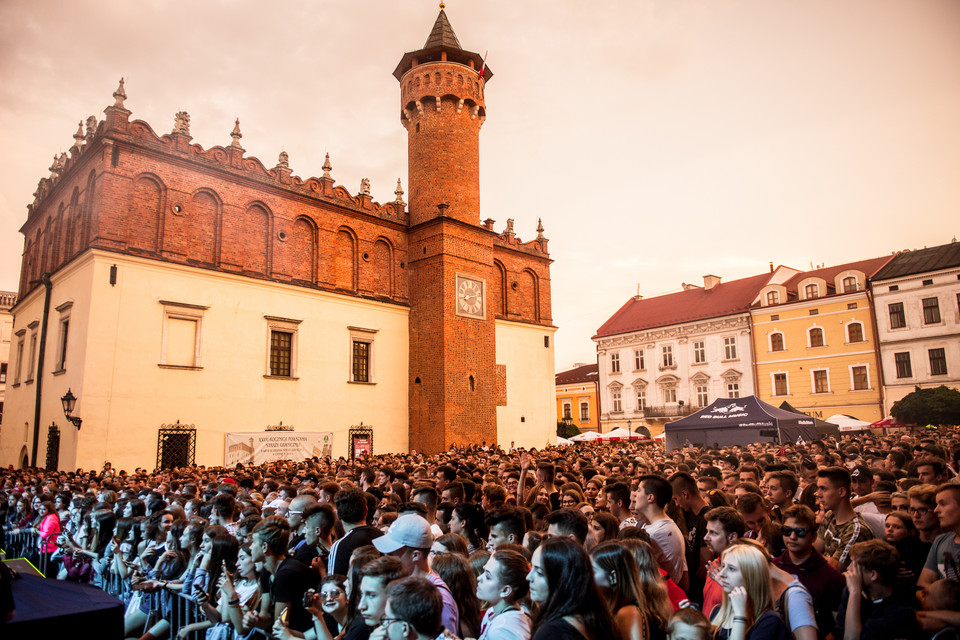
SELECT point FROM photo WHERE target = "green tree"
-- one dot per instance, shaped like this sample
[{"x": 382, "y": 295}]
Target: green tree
[
  {"x": 566, "y": 430},
  {"x": 940, "y": 406}
]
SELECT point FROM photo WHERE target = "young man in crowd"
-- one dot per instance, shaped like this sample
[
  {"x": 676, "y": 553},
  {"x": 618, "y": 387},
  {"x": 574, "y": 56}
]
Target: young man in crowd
[
  {"x": 649, "y": 500},
  {"x": 687, "y": 496},
  {"x": 824, "y": 583},
  {"x": 842, "y": 527},
  {"x": 318, "y": 524},
  {"x": 428, "y": 496},
  {"x": 943, "y": 560},
  {"x": 413, "y": 611},
  {"x": 409, "y": 539},
  {"x": 724, "y": 526},
  {"x": 506, "y": 526},
  {"x": 567, "y": 523},
  {"x": 619, "y": 504},
  {"x": 352, "y": 510},
  {"x": 374, "y": 578},
  {"x": 923, "y": 504},
  {"x": 781, "y": 488},
  {"x": 753, "y": 509},
  {"x": 932, "y": 471},
  {"x": 870, "y": 607}
]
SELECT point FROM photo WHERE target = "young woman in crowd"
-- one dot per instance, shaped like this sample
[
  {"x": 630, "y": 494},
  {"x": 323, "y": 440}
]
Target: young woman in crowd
[
  {"x": 900, "y": 531},
  {"x": 467, "y": 520},
  {"x": 746, "y": 612},
  {"x": 503, "y": 587},
  {"x": 569, "y": 607},
  {"x": 653, "y": 585},
  {"x": 602, "y": 527},
  {"x": 448, "y": 543},
  {"x": 617, "y": 578},
  {"x": 456, "y": 572}
]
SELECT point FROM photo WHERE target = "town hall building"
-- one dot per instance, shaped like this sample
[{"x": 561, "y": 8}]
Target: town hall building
[{"x": 181, "y": 290}]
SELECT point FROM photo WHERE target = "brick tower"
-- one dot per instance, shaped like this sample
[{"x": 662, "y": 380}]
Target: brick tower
[{"x": 453, "y": 372}]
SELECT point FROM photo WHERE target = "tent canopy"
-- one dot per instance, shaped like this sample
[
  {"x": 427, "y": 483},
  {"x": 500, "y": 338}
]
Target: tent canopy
[
  {"x": 739, "y": 421},
  {"x": 824, "y": 428},
  {"x": 624, "y": 434},
  {"x": 848, "y": 423}
]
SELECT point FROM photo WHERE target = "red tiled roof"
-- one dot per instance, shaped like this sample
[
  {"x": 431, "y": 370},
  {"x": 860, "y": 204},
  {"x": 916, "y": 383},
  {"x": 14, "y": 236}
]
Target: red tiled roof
[
  {"x": 586, "y": 373},
  {"x": 724, "y": 299},
  {"x": 868, "y": 267}
]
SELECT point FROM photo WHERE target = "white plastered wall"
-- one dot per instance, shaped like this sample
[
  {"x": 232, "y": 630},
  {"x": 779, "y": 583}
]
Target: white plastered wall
[{"x": 531, "y": 385}]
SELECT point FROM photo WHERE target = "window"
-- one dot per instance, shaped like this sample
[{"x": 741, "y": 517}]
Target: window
[
  {"x": 641, "y": 399},
  {"x": 814, "y": 312},
  {"x": 851, "y": 305},
  {"x": 931, "y": 311},
  {"x": 854, "y": 332},
  {"x": 3, "y": 372},
  {"x": 667, "y": 355},
  {"x": 780, "y": 384},
  {"x": 702, "y": 400},
  {"x": 282, "y": 347},
  {"x": 938, "y": 362},
  {"x": 894, "y": 287},
  {"x": 902, "y": 360},
  {"x": 928, "y": 283},
  {"x": 33, "y": 352},
  {"x": 849, "y": 284},
  {"x": 860, "y": 379},
  {"x": 821, "y": 381},
  {"x": 584, "y": 412},
  {"x": 729, "y": 349},
  {"x": 669, "y": 395},
  {"x": 773, "y": 297},
  {"x": 816, "y": 337},
  {"x": 811, "y": 291},
  {"x": 699, "y": 352},
  {"x": 181, "y": 345},
  {"x": 614, "y": 363},
  {"x": 638, "y": 360},
  {"x": 361, "y": 362},
  {"x": 567, "y": 411},
  {"x": 774, "y": 317},
  {"x": 64, "y": 310},
  {"x": 16, "y": 375},
  {"x": 617, "y": 401},
  {"x": 776, "y": 341},
  {"x": 897, "y": 318},
  {"x": 733, "y": 389}
]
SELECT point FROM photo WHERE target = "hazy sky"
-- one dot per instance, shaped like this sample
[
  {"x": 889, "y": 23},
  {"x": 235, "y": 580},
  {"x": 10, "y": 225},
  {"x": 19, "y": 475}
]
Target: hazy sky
[{"x": 659, "y": 140}]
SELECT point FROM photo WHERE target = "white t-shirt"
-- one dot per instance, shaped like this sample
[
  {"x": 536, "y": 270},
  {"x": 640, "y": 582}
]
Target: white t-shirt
[
  {"x": 512, "y": 624},
  {"x": 669, "y": 547}
]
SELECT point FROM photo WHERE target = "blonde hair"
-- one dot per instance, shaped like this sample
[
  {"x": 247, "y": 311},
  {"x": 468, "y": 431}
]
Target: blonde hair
[{"x": 756, "y": 580}]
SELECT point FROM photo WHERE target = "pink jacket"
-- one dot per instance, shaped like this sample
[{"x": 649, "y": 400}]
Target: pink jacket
[{"x": 48, "y": 531}]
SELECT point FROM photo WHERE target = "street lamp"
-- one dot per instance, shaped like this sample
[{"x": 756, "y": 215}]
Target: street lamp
[
  {"x": 630, "y": 429},
  {"x": 69, "y": 404}
]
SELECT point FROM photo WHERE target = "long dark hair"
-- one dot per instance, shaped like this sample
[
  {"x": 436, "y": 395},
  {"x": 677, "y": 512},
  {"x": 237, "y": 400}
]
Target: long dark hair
[
  {"x": 472, "y": 519},
  {"x": 223, "y": 552},
  {"x": 455, "y": 571},
  {"x": 569, "y": 574}
]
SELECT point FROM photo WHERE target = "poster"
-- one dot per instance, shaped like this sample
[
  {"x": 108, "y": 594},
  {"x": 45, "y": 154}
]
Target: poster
[
  {"x": 266, "y": 446},
  {"x": 362, "y": 446}
]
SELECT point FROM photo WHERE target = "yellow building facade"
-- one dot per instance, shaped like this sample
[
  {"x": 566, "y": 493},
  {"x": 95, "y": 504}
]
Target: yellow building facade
[
  {"x": 577, "y": 397},
  {"x": 815, "y": 343}
]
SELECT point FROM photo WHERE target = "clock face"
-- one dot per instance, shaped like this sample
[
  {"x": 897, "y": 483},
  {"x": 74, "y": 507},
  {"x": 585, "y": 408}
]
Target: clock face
[{"x": 470, "y": 297}]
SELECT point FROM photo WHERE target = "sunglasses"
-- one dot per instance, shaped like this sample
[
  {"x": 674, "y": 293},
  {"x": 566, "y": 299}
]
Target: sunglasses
[{"x": 801, "y": 532}]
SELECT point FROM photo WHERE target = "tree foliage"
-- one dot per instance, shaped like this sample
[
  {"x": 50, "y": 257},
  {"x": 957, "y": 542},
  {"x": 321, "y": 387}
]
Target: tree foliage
[
  {"x": 566, "y": 430},
  {"x": 939, "y": 406}
]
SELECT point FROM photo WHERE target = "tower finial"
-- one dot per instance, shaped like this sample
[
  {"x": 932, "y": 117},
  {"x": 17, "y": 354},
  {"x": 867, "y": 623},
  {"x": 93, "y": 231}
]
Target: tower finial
[
  {"x": 442, "y": 6},
  {"x": 78, "y": 137},
  {"x": 236, "y": 135},
  {"x": 326, "y": 167},
  {"x": 120, "y": 95},
  {"x": 539, "y": 229},
  {"x": 399, "y": 193}
]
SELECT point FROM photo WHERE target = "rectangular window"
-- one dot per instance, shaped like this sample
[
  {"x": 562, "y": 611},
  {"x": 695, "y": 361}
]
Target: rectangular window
[
  {"x": 33, "y": 355},
  {"x": 928, "y": 283},
  {"x": 669, "y": 395},
  {"x": 931, "y": 311},
  {"x": 281, "y": 343},
  {"x": 774, "y": 317},
  {"x": 62, "y": 346},
  {"x": 617, "y": 401},
  {"x": 702, "y": 396},
  {"x": 776, "y": 341},
  {"x": 667, "y": 355},
  {"x": 733, "y": 389},
  {"x": 729, "y": 349},
  {"x": 860, "y": 379},
  {"x": 855, "y": 332},
  {"x": 851, "y": 305},
  {"x": 816, "y": 337},
  {"x": 584, "y": 412},
  {"x": 894, "y": 287},
  {"x": 567, "y": 411},
  {"x": 641, "y": 399},
  {"x": 821, "y": 381},
  {"x": 361, "y": 361},
  {"x": 780, "y": 384},
  {"x": 902, "y": 360},
  {"x": 181, "y": 343},
  {"x": 614, "y": 363},
  {"x": 938, "y": 362},
  {"x": 19, "y": 369},
  {"x": 897, "y": 319},
  {"x": 699, "y": 352},
  {"x": 849, "y": 284},
  {"x": 640, "y": 365},
  {"x": 814, "y": 312},
  {"x": 3, "y": 372}
]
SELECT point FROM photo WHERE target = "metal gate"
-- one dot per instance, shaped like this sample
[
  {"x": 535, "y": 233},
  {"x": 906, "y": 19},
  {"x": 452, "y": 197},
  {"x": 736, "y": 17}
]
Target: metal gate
[
  {"x": 360, "y": 440},
  {"x": 176, "y": 445}
]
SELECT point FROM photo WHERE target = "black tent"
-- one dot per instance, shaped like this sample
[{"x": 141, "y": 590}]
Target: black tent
[
  {"x": 739, "y": 421},
  {"x": 824, "y": 428}
]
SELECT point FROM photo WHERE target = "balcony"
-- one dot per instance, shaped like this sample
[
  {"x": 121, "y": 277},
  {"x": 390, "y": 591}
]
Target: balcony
[{"x": 670, "y": 411}]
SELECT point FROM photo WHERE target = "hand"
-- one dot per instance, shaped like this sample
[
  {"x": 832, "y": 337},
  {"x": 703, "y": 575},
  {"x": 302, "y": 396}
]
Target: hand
[
  {"x": 713, "y": 571},
  {"x": 251, "y": 619},
  {"x": 525, "y": 461},
  {"x": 280, "y": 631},
  {"x": 928, "y": 622},
  {"x": 854, "y": 579},
  {"x": 738, "y": 600}
]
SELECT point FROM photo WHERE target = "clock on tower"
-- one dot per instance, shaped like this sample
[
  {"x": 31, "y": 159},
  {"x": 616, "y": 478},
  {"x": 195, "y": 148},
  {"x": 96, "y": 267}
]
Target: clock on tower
[{"x": 471, "y": 298}]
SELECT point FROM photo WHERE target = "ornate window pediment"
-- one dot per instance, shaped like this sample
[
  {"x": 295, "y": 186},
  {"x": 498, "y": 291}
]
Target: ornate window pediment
[
  {"x": 668, "y": 381},
  {"x": 700, "y": 378},
  {"x": 731, "y": 375},
  {"x": 615, "y": 386},
  {"x": 639, "y": 384}
]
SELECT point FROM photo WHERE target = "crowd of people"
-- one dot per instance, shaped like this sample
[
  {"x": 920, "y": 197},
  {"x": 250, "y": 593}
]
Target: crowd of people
[{"x": 851, "y": 538}]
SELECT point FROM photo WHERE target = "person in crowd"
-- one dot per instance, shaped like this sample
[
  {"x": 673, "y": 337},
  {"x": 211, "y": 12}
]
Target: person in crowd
[
  {"x": 688, "y": 624},
  {"x": 650, "y": 499},
  {"x": 503, "y": 587},
  {"x": 944, "y": 556},
  {"x": 870, "y": 607},
  {"x": 567, "y": 523},
  {"x": 724, "y": 526},
  {"x": 618, "y": 580},
  {"x": 562, "y": 585},
  {"x": 618, "y": 502},
  {"x": 842, "y": 527},
  {"x": 923, "y": 504},
  {"x": 901, "y": 532},
  {"x": 375, "y": 576},
  {"x": 352, "y": 511},
  {"x": 467, "y": 521},
  {"x": 940, "y": 607},
  {"x": 318, "y": 524},
  {"x": 448, "y": 543},
  {"x": 415, "y": 605},
  {"x": 746, "y": 611},
  {"x": 505, "y": 525},
  {"x": 457, "y": 574},
  {"x": 694, "y": 508},
  {"x": 602, "y": 526}
]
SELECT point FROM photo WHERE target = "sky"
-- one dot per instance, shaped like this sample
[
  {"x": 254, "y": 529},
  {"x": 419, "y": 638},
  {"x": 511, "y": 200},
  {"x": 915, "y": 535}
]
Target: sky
[{"x": 658, "y": 140}]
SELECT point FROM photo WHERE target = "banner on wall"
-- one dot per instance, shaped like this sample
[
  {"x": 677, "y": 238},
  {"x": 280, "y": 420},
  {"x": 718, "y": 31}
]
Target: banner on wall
[{"x": 266, "y": 446}]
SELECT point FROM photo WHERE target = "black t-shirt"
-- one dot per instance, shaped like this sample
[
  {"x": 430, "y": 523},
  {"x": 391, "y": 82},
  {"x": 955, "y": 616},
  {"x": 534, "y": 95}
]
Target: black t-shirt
[
  {"x": 291, "y": 581},
  {"x": 357, "y": 630},
  {"x": 341, "y": 550},
  {"x": 696, "y": 529}
]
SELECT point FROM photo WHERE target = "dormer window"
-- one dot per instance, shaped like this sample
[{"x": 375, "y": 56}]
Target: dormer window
[
  {"x": 812, "y": 290},
  {"x": 773, "y": 297},
  {"x": 850, "y": 284}
]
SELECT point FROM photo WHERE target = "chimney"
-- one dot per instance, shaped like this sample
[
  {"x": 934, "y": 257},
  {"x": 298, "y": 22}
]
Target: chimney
[{"x": 709, "y": 282}]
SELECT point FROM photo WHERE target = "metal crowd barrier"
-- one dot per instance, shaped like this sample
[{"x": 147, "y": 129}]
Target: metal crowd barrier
[{"x": 26, "y": 544}]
